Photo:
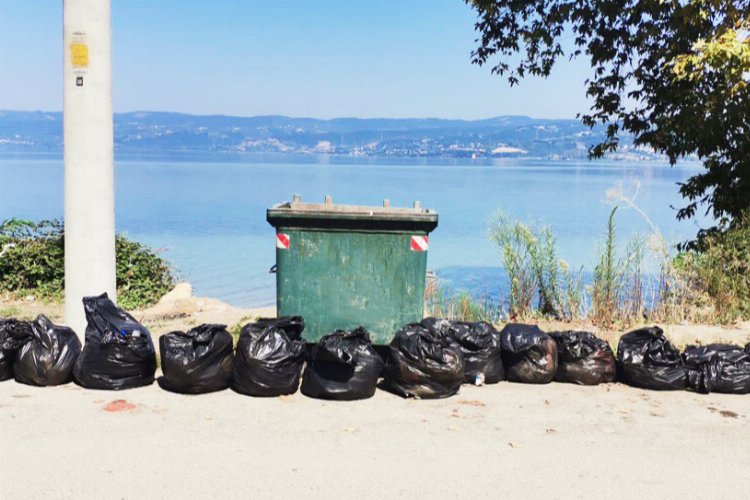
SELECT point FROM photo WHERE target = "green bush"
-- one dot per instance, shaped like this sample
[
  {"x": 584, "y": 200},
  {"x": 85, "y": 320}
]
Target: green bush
[
  {"x": 32, "y": 262},
  {"x": 720, "y": 266},
  {"x": 32, "y": 257},
  {"x": 142, "y": 276}
]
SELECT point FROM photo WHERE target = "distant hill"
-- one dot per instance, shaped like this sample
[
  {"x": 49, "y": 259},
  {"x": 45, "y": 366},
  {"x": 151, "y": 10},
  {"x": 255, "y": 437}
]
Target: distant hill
[{"x": 163, "y": 133}]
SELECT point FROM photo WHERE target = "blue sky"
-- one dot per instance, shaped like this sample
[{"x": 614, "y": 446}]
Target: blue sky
[{"x": 318, "y": 58}]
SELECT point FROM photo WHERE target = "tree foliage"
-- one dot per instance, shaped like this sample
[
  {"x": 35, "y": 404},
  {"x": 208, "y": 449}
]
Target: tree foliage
[{"x": 673, "y": 73}]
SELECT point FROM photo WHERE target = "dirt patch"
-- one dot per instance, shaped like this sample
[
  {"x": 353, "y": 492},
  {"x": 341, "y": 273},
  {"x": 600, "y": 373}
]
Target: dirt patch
[
  {"x": 119, "y": 405},
  {"x": 177, "y": 310},
  {"x": 471, "y": 402},
  {"x": 723, "y": 413},
  {"x": 728, "y": 414}
]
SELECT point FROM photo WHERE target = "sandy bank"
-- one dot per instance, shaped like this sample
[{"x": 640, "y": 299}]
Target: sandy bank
[
  {"x": 181, "y": 310},
  {"x": 177, "y": 310}
]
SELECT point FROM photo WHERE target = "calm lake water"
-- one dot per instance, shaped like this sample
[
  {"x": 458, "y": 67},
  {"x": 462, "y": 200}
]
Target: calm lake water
[{"x": 208, "y": 217}]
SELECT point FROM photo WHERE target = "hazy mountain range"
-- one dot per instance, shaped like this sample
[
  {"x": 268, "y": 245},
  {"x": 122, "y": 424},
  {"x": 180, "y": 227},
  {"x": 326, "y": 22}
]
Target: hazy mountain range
[{"x": 164, "y": 133}]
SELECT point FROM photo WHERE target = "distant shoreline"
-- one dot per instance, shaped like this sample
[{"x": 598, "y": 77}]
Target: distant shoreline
[
  {"x": 163, "y": 133},
  {"x": 339, "y": 159}
]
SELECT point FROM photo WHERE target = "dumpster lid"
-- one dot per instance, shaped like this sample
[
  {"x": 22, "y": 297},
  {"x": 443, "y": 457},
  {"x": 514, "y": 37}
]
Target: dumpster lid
[{"x": 329, "y": 215}]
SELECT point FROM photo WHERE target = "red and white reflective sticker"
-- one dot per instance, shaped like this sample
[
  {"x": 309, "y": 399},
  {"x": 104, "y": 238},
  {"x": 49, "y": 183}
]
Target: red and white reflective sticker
[
  {"x": 282, "y": 241},
  {"x": 419, "y": 243}
]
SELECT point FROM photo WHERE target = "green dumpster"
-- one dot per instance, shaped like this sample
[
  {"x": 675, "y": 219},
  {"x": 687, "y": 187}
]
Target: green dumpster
[{"x": 342, "y": 266}]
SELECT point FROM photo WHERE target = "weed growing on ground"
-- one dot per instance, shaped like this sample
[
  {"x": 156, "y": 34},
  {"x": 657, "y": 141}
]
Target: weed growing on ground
[
  {"x": 530, "y": 258},
  {"x": 236, "y": 329},
  {"x": 707, "y": 284},
  {"x": 605, "y": 291},
  {"x": 9, "y": 312},
  {"x": 459, "y": 306}
]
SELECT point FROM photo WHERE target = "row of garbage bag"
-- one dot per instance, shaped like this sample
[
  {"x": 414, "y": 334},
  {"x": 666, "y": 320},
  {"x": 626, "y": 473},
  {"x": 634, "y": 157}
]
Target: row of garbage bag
[{"x": 425, "y": 360}]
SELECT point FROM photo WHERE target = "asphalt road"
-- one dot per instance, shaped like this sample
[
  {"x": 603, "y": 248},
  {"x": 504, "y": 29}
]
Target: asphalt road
[{"x": 502, "y": 441}]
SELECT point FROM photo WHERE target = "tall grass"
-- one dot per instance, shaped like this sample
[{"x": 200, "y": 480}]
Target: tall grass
[
  {"x": 607, "y": 278},
  {"x": 515, "y": 239},
  {"x": 643, "y": 280},
  {"x": 633, "y": 302},
  {"x": 673, "y": 294},
  {"x": 441, "y": 303},
  {"x": 529, "y": 256},
  {"x": 574, "y": 292}
]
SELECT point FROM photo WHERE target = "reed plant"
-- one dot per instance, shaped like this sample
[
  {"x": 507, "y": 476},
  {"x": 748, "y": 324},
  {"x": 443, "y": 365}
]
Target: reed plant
[
  {"x": 644, "y": 280},
  {"x": 633, "y": 306},
  {"x": 458, "y": 306},
  {"x": 672, "y": 294},
  {"x": 515, "y": 240},
  {"x": 605, "y": 290},
  {"x": 529, "y": 256}
]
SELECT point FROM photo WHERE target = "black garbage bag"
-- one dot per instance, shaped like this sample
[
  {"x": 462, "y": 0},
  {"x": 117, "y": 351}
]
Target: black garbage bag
[
  {"x": 529, "y": 354},
  {"x": 439, "y": 327},
  {"x": 197, "y": 361},
  {"x": 717, "y": 368},
  {"x": 480, "y": 344},
  {"x": 422, "y": 364},
  {"x": 646, "y": 359},
  {"x": 343, "y": 366},
  {"x": 118, "y": 352},
  {"x": 584, "y": 359},
  {"x": 7, "y": 349},
  {"x": 45, "y": 353},
  {"x": 270, "y": 356}
]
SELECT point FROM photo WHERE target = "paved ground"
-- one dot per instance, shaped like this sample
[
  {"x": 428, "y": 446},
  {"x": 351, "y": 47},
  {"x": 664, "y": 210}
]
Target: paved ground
[{"x": 502, "y": 441}]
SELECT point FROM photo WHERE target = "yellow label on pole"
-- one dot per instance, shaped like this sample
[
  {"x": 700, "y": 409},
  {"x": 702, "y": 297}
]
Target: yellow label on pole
[{"x": 79, "y": 55}]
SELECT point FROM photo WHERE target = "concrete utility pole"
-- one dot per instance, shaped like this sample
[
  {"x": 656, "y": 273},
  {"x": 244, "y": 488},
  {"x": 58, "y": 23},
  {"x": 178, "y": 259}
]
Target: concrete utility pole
[{"x": 89, "y": 156}]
